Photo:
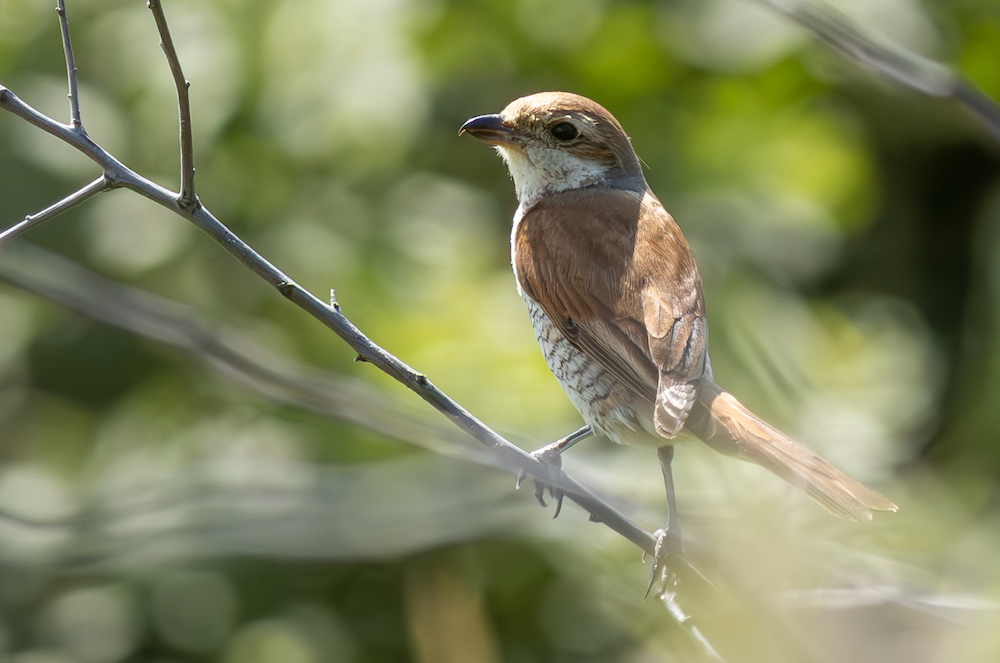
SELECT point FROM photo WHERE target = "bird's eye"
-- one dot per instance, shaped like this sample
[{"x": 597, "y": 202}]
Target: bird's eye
[{"x": 564, "y": 131}]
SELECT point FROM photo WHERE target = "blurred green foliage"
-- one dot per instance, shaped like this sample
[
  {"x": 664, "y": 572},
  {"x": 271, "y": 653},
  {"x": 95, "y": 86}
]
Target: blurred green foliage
[{"x": 847, "y": 232}]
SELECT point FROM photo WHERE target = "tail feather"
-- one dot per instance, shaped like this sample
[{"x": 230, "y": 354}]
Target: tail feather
[{"x": 724, "y": 424}]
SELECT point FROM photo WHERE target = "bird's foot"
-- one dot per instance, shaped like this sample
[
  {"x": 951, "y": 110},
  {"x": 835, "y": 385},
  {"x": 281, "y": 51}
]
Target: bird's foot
[
  {"x": 549, "y": 455},
  {"x": 668, "y": 542}
]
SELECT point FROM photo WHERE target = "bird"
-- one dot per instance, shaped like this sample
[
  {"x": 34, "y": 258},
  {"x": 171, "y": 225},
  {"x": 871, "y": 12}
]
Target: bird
[{"x": 615, "y": 298}]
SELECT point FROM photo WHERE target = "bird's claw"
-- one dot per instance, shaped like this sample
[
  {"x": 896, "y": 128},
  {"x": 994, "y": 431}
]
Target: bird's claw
[
  {"x": 553, "y": 459},
  {"x": 668, "y": 542}
]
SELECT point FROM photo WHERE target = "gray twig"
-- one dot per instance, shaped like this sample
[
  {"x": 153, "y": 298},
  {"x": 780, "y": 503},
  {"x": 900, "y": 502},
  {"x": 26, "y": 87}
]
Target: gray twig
[
  {"x": 97, "y": 186},
  {"x": 115, "y": 173},
  {"x": 74, "y": 94},
  {"x": 187, "y": 198}
]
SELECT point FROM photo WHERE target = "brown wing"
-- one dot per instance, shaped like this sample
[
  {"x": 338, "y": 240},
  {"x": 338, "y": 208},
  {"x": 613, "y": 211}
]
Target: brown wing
[{"x": 613, "y": 272}]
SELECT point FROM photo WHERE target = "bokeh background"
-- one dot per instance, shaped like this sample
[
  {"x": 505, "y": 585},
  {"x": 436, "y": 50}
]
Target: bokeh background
[{"x": 155, "y": 508}]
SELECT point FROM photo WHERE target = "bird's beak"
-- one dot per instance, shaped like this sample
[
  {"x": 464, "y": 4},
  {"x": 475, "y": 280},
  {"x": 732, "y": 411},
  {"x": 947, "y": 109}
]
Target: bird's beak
[{"x": 489, "y": 129}]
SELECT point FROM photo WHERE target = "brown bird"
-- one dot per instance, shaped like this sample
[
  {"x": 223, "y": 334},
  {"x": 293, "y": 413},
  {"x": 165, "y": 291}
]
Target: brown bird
[{"x": 615, "y": 298}]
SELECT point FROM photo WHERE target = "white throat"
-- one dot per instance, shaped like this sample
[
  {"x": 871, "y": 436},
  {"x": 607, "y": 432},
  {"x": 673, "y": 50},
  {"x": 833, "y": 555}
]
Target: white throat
[{"x": 543, "y": 171}]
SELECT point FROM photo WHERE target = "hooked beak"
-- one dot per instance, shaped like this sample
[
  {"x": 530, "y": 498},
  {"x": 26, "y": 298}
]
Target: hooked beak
[{"x": 489, "y": 129}]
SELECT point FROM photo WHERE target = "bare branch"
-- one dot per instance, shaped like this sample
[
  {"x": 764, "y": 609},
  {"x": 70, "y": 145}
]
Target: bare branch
[
  {"x": 67, "y": 133},
  {"x": 97, "y": 186},
  {"x": 187, "y": 198},
  {"x": 899, "y": 64},
  {"x": 114, "y": 171},
  {"x": 74, "y": 94}
]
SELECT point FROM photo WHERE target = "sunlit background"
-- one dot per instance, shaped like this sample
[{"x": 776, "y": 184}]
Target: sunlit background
[{"x": 154, "y": 508}]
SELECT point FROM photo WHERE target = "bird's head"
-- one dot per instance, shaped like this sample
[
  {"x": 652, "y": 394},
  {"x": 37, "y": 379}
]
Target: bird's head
[{"x": 556, "y": 141}]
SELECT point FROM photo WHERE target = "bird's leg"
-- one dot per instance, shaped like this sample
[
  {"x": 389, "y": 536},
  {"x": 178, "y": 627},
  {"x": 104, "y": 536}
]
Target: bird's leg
[
  {"x": 551, "y": 454},
  {"x": 668, "y": 539}
]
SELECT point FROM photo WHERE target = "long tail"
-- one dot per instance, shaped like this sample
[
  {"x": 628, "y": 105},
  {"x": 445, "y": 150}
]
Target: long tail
[{"x": 724, "y": 424}]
